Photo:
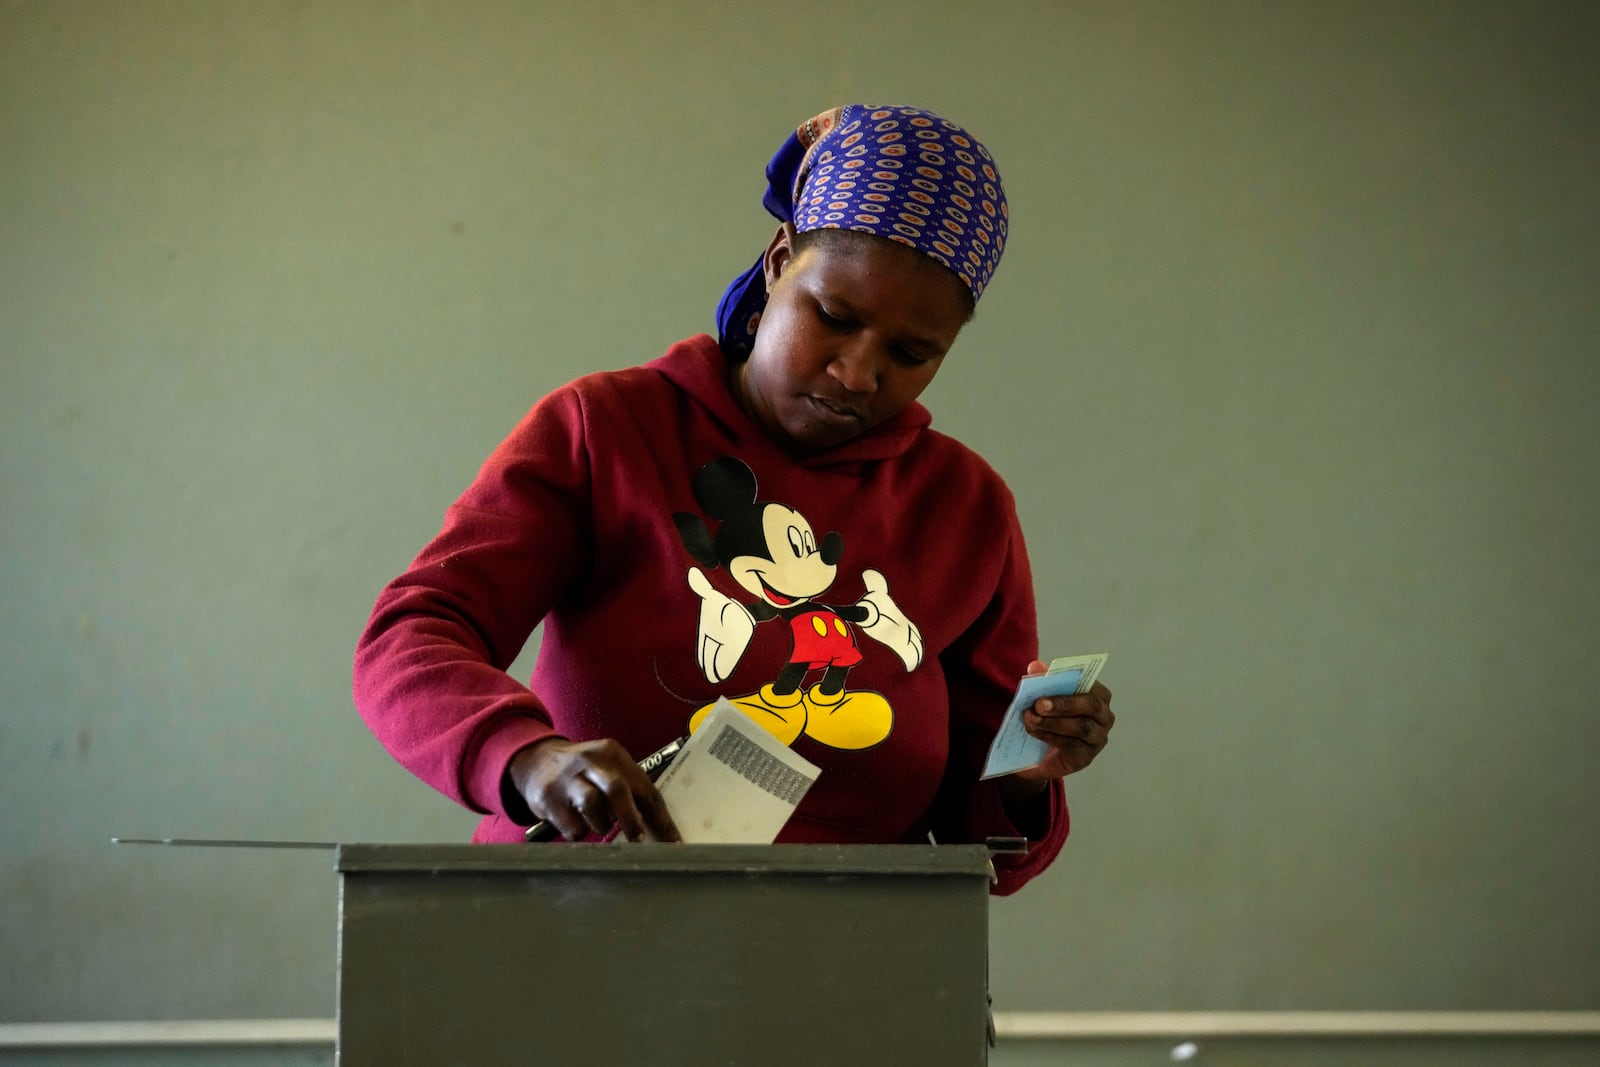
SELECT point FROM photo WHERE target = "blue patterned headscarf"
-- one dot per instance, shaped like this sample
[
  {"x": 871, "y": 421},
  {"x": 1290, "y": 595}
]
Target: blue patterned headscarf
[{"x": 898, "y": 172}]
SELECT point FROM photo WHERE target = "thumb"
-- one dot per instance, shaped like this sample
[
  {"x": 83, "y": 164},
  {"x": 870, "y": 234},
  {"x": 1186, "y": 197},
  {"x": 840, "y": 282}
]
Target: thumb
[
  {"x": 700, "y": 583},
  {"x": 1038, "y": 666},
  {"x": 874, "y": 581}
]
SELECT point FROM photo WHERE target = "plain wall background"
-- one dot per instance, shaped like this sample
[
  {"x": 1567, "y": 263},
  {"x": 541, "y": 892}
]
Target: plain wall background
[{"x": 1292, "y": 362}]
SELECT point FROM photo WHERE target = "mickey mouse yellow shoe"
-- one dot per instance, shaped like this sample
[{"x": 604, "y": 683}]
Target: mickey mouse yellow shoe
[
  {"x": 782, "y": 716},
  {"x": 848, "y": 719}
]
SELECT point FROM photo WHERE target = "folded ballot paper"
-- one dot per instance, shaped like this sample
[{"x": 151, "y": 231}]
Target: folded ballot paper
[
  {"x": 734, "y": 783},
  {"x": 1014, "y": 748}
]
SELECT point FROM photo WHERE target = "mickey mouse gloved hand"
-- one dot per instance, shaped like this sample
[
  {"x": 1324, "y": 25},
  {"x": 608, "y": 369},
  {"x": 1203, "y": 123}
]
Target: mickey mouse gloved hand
[
  {"x": 885, "y": 621},
  {"x": 725, "y": 628}
]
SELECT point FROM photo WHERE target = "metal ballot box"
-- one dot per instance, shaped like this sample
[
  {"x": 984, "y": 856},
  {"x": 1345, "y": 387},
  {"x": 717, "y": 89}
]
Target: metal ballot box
[{"x": 771, "y": 956}]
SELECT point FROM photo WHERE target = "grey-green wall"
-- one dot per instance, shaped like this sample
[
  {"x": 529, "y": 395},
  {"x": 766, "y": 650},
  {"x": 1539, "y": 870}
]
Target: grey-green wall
[{"x": 1292, "y": 363}]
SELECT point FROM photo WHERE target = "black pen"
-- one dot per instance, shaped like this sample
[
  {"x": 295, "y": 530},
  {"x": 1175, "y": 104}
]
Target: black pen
[{"x": 653, "y": 765}]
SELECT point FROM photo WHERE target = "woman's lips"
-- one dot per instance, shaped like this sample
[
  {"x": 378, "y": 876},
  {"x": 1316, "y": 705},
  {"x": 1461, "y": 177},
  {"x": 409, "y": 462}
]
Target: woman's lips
[{"x": 836, "y": 410}]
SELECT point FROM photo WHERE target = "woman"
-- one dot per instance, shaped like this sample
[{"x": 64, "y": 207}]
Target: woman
[{"x": 767, "y": 516}]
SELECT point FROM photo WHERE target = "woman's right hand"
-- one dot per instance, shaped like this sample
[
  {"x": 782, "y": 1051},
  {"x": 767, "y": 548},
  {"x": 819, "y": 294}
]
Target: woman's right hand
[{"x": 590, "y": 787}]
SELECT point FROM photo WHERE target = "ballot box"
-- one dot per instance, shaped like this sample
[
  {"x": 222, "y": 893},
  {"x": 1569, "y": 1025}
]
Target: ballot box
[{"x": 547, "y": 955}]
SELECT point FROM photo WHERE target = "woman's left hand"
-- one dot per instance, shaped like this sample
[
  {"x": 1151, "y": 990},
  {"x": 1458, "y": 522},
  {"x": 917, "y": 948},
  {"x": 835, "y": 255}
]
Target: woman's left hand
[{"x": 1075, "y": 727}]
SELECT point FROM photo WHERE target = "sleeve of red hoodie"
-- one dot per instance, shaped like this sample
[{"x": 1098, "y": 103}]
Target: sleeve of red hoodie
[
  {"x": 430, "y": 667},
  {"x": 981, "y": 671}
]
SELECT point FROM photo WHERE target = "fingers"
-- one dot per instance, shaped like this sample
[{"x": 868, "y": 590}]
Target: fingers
[
  {"x": 1079, "y": 731},
  {"x": 637, "y": 807},
  {"x": 592, "y": 807},
  {"x": 712, "y": 662},
  {"x": 1082, "y": 719},
  {"x": 653, "y": 810},
  {"x": 1095, "y": 703},
  {"x": 619, "y": 811},
  {"x": 593, "y": 787}
]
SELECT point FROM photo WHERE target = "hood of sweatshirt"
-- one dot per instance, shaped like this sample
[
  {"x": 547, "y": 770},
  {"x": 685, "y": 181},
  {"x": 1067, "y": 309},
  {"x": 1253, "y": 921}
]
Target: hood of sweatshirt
[{"x": 699, "y": 368}]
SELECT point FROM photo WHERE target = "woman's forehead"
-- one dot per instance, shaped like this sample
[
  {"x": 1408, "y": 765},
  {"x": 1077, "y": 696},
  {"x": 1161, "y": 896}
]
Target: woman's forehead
[{"x": 859, "y": 268}]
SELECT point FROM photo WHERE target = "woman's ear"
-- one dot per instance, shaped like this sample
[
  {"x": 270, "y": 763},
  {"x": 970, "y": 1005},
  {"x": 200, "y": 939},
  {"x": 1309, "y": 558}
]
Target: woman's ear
[{"x": 779, "y": 254}]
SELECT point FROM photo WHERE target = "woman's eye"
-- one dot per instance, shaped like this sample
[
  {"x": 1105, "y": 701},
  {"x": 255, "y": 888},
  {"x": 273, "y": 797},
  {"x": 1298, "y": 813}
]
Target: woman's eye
[
  {"x": 910, "y": 359},
  {"x": 831, "y": 320}
]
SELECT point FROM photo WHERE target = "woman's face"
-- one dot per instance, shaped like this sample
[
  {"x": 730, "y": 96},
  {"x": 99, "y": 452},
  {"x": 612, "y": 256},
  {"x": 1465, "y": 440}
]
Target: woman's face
[{"x": 853, "y": 331}]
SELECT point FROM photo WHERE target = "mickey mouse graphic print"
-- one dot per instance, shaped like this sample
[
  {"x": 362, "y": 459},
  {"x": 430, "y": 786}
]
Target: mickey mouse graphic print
[{"x": 770, "y": 550}]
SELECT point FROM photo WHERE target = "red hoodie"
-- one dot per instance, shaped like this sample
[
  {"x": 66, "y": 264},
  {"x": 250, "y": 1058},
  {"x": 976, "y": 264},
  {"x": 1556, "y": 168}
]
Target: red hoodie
[{"x": 572, "y": 522}]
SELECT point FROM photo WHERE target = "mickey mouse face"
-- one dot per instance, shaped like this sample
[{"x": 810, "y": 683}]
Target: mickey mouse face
[{"x": 792, "y": 570}]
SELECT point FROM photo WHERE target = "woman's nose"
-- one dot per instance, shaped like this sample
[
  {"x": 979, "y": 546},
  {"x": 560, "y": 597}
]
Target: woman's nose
[{"x": 855, "y": 366}]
